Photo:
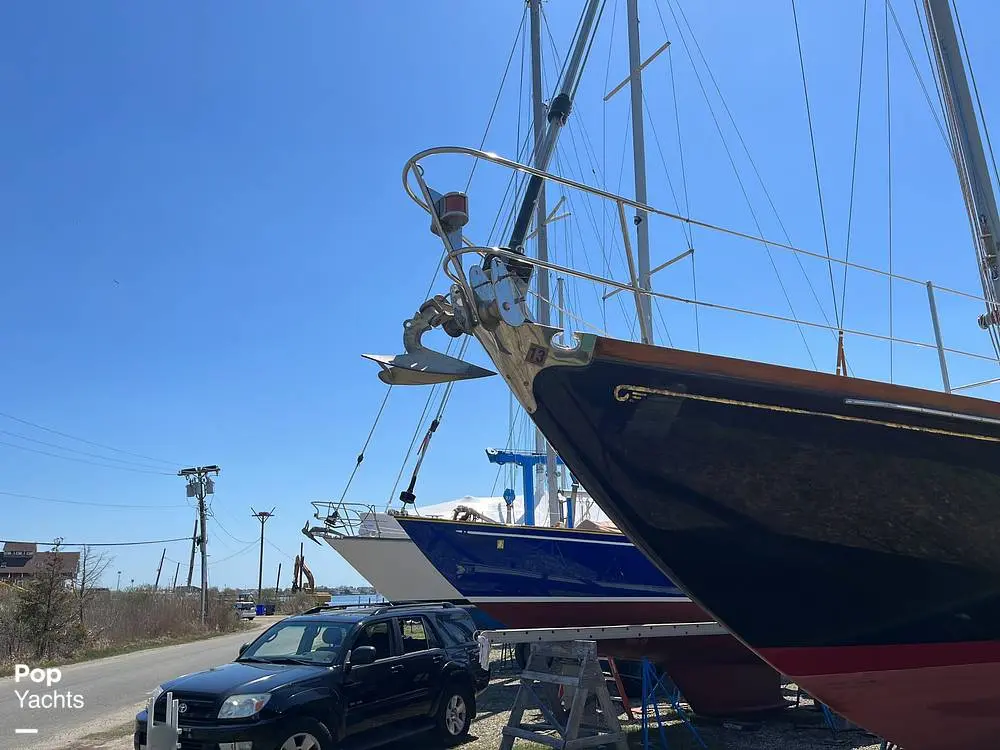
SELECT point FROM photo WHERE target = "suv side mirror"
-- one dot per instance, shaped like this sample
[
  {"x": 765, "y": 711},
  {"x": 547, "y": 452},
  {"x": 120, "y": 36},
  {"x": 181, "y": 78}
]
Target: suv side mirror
[
  {"x": 362, "y": 655},
  {"x": 243, "y": 648}
]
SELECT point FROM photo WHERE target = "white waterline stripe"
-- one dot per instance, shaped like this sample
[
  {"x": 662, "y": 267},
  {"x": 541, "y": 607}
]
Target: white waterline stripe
[{"x": 546, "y": 538}]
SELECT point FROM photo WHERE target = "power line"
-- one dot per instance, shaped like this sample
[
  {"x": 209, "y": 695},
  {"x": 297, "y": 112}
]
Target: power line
[
  {"x": 95, "y": 544},
  {"x": 84, "y": 440},
  {"x": 87, "y": 503},
  {"x": 19, "y": 436},
  {"x": 83, "y": 460},
  {"x": 278, "y": 549},
  {"x": 237, "y": 554},
  {"x": 226, "y": 531}
]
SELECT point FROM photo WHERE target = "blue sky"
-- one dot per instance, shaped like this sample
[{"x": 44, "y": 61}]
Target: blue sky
[{"x": 203, "y": 228}]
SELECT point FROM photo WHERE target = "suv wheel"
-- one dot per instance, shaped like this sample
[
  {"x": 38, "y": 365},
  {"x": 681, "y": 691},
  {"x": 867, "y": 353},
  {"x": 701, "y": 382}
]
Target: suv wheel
[
  {"x": 308, "y": 735},
  {"x": 455, "y": 714}
]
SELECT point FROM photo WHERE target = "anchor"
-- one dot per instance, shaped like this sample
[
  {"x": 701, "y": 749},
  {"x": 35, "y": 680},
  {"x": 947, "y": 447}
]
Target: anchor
[
  {"x": 311, "y": 531},
  {"x": 423, "y": 366}
]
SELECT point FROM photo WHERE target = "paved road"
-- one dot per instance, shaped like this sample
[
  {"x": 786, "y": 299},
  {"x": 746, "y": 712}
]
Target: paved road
[{"x": 112, "y": 690}]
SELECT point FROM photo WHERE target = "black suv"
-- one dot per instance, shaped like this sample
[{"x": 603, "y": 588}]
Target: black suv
[{"x": 332, "y": 676}]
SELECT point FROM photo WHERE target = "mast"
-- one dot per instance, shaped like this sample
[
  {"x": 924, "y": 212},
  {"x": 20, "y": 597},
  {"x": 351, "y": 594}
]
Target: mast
[
  {"x": 558, "y": 113},
  {"x": 967, "y": 148},
  {"x": 544, "y": 311},
  {"x": 639, "y": 167}
]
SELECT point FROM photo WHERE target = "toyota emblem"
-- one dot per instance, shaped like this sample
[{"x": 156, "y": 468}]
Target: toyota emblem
[{"x": 182, "y": 708}]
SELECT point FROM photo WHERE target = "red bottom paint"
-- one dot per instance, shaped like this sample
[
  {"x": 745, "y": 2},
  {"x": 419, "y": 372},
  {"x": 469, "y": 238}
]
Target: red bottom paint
[
  {"x": 717, "y": 674},
  {"x": 921, "y": 696}
]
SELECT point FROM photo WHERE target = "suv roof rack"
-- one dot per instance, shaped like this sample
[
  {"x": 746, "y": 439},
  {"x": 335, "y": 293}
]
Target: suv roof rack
[{"x": 377, "y": 609}]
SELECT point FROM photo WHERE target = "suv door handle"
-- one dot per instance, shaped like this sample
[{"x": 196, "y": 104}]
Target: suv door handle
[
  {"x": 396, "y": 669},
  {"x": 438, "y": 659}
]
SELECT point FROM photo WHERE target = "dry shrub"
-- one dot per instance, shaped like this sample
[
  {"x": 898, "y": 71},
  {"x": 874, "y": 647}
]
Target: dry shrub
[
  {"x": 298, "y": 602},
  {"x": 118, "y": 620}
]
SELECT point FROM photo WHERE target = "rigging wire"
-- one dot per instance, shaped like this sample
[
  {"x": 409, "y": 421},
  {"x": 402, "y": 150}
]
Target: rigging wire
[
  {"x": 920, "y": 77},
  {"x": 694, "y": 289},
  {"x": 854, "y": 160},
  {"x": 371, "y": 432},
  {"x": 684, "y": 184},
  {"x": 685, "y": 229},
  {"x": 425, "y": 443},
  {"x": 812, "y": 142},
  {"x": 83, "y": 440},
  {"x": 496, "y": 101},
  {"x": 739, "y": 179},
  {"x": 888, "y": 125},
  {"x": 739, "y": 134}
]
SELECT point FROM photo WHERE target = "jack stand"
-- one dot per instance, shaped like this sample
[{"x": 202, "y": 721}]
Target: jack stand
[{"x": 652, "y": 683}]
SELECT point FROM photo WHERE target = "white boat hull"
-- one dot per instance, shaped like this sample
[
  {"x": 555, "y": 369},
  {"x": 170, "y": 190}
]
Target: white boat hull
[{"x": 395, "y": 567}]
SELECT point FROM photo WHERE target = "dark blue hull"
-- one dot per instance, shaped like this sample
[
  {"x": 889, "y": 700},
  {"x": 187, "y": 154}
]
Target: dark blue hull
[
  {"x": 528, "y": 577},
  {"x": 845, "y": 529}
]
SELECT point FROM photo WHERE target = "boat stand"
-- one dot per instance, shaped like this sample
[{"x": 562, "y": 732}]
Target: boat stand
[
  {"x": 653, "y": 686},
  {"x": 578, "y": 671},
  {"x": 556, "y": 673}
]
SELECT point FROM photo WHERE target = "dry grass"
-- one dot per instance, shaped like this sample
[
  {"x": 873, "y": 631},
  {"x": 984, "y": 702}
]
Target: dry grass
[
  {"x": 116, "y": 622},
  {"x": 298, "y": 602}
]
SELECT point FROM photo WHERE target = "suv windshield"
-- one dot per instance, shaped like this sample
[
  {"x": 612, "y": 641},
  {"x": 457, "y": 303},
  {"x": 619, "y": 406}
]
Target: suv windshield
[{"x": 307, "y": 642}]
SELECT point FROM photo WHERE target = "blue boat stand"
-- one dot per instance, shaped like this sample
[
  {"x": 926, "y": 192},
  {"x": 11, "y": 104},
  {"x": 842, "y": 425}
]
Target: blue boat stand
[{"x": 654, "y": 683}]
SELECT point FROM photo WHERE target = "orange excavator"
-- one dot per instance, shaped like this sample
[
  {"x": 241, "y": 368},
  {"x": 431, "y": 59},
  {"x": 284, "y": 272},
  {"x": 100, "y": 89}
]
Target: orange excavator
[{"x": 301, "y": 569}]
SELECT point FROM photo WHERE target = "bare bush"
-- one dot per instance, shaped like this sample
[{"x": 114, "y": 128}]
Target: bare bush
[
  {"x": 300, "y": 601},
  {"x": 115, "y": 621}
]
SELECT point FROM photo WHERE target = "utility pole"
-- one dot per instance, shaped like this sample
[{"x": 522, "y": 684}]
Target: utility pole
[
  {"x": 159, "y": 569},
  {"x": 277, "y": 586},
  {"x": 194, "y": 543},
  {"x": 539, "y": 118},
  {"x": 118, "y": 586},
  {"x": 200, "y": 485},
  {"x": 177, "y": 570},
  {"x": 261, "y": 516}
]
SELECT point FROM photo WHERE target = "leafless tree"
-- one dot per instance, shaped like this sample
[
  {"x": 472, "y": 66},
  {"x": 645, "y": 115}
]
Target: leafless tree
[
  {"x": 45, "y": 605},
  {"x": 93, "y": 565}
]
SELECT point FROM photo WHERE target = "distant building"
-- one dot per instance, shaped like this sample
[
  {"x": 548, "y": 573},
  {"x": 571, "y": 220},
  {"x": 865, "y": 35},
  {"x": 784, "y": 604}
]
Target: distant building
[{"x": 22, "y": 560}]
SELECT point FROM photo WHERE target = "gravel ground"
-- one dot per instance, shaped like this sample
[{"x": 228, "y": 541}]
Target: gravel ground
[{"x": 799, "y": 728}]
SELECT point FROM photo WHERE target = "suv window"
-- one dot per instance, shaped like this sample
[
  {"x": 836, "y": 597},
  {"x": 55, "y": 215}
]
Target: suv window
[
  {"x": 376, "y": 634},
  {"x": 309, "y": 640},
  {"x": 457, "y": 627},
  {"x": 416, "y": 634}
]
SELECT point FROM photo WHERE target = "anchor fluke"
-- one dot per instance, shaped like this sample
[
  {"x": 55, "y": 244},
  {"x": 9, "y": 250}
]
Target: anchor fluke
[
  {"x": 310, "y": 532},
  {"x": 425, "y": 367}
]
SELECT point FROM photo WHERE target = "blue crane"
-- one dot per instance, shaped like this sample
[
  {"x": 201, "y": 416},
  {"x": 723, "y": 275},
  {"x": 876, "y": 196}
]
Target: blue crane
[{"x": 527, "y": 460}]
